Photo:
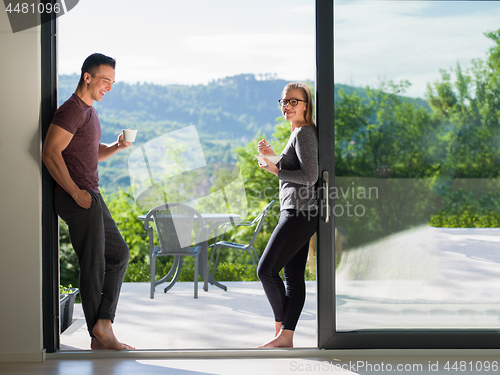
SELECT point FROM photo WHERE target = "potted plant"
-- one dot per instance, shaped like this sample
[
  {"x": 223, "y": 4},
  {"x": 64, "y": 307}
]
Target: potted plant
[{"x": 67, "y": 296}]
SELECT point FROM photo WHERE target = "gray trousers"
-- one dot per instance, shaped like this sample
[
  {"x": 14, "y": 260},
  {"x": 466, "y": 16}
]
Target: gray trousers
[{"x": 102, "y": 255}]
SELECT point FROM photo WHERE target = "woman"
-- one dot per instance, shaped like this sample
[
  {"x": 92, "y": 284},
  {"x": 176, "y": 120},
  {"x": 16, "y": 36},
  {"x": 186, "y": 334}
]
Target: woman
[{"x": 288, "y": 246}]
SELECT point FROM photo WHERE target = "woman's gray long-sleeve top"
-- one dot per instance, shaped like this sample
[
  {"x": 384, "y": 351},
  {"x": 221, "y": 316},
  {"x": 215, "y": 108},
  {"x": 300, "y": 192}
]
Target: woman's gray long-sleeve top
[{"x": 299, "y": 170}]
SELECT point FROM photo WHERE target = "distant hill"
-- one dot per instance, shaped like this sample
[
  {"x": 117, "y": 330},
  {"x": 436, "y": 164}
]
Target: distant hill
[
  {"x": 233, "y": 107},
  {"x": 361, "y": 91},
  {"x": 227, "y": 113},
  {"x": 237, "y": 106}
]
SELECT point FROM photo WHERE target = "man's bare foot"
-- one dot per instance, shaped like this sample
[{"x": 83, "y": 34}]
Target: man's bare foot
[
  {"x": 283, "y": 340},
  {"x": 95, "y": 344},
  {"x": 105, "y": 338}
]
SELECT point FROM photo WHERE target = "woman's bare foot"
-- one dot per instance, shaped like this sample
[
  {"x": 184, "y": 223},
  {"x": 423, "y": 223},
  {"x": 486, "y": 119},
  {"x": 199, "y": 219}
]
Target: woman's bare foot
[
  {"x": 105, "y": 338},
  {"x": 283, "y": 340},
  {"x": 277, "y": 328}
]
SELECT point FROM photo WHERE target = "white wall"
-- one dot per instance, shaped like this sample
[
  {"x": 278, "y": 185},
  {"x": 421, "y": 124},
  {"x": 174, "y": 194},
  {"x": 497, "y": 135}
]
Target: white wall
[{"x": 20, "y": 195}]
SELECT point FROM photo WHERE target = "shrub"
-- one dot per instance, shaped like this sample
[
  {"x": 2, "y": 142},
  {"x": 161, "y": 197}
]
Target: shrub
[
  {"x": 465, "y": 220},
  {"x": 139, "y": 272}
]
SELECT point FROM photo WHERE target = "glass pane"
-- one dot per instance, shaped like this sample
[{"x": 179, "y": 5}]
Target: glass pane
[
  {"x": 200, "y": 81},
  {"x": 417, "y": 157}
]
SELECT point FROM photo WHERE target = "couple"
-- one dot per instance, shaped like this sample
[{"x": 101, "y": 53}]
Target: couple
[{"x": 71, "y": 152}]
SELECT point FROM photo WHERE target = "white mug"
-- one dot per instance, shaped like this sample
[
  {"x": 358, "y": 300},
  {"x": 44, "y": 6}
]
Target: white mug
[{"x": 129, "y": 135}]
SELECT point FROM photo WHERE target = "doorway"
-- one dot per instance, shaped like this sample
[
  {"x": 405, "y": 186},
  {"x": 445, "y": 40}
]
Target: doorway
[{"x": 218, "y": 41}]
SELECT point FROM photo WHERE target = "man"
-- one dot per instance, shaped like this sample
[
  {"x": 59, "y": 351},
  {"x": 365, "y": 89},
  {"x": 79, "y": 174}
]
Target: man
[{"x": 71, "y": 152}]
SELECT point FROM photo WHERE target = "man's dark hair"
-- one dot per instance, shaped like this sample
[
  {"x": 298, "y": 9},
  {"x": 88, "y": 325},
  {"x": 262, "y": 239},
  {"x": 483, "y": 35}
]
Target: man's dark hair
[{"x": 93, "y": 62}]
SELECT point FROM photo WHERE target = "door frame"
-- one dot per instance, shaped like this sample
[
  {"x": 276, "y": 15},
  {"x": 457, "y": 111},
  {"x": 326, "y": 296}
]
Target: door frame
[
  {"x": 328, "y": 337},
  {"x": 324, "y": 93},
  {"x": 50, "y": 223}
]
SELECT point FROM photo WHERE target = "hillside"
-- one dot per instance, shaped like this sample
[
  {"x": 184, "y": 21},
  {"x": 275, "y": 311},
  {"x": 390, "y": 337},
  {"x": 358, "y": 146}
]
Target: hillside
[
  {"x": 236, "y": 106},
  {"x": 227, "y": 114}
]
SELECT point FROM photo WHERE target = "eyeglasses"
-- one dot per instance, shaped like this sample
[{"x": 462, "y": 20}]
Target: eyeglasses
[{"x": 292, "y": 102}]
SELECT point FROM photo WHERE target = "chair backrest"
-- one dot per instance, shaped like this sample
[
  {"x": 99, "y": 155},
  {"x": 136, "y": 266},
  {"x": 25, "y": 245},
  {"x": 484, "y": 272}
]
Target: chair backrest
[
  {"x": 174, "y": 226},
  {"x": 259, "y": 220}
]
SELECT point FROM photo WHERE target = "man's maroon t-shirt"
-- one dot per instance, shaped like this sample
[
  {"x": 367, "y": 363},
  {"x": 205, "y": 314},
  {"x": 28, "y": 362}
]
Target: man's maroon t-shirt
[{"x": 81, "y": 154}]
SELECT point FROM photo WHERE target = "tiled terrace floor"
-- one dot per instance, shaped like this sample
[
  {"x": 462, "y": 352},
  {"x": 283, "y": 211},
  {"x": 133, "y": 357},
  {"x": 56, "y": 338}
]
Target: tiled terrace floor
[
  {"x": 241, "y": 317},
  {"x": 425, "y": 278}
]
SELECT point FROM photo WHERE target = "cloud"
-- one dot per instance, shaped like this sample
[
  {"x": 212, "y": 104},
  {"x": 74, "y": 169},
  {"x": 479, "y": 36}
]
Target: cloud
[
  {"x": 194, "y": 41},
  {"x": 202, "y": 58}
]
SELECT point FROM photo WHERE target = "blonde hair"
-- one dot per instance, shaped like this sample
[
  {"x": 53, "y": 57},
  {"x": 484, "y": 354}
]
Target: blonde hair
[{"x": 307, "y": 96}]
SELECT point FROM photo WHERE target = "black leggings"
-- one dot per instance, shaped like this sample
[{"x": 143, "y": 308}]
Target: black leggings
[{"x": 287, "y": 248}]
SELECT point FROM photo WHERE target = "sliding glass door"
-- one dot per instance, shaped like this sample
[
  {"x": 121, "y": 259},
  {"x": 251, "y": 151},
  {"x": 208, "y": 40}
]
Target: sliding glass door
[{"x": 413, "y": 195}]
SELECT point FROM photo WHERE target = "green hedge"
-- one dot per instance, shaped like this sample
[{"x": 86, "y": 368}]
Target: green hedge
[
  {"x": 139, "y": 272},
  {"x": 465, "y": 220},
  {"x": 466, "y": 208}
]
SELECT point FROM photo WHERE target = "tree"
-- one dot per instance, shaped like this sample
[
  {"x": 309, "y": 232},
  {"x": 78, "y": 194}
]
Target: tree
[
  {"x": 385, "y": 133},
  {"x": 386, "y": 151},
  {"x": 466, "y": 101},
  {"x": 469, "y": 110}
]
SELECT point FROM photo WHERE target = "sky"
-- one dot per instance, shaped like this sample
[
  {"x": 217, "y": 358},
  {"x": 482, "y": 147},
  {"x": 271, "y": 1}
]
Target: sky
[
  {"x": 409, "y": 40},
  {"x": 191, "y": 41},
  {"x": 197, "y": 41}
]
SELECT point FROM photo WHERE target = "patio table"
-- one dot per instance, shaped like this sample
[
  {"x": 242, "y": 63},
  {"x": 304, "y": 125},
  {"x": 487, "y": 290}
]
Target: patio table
[{"x": 213, "y": 220}]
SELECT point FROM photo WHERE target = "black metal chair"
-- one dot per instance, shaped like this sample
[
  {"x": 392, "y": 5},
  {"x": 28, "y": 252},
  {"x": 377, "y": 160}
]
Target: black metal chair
[{"x": 174, "y": 224}]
